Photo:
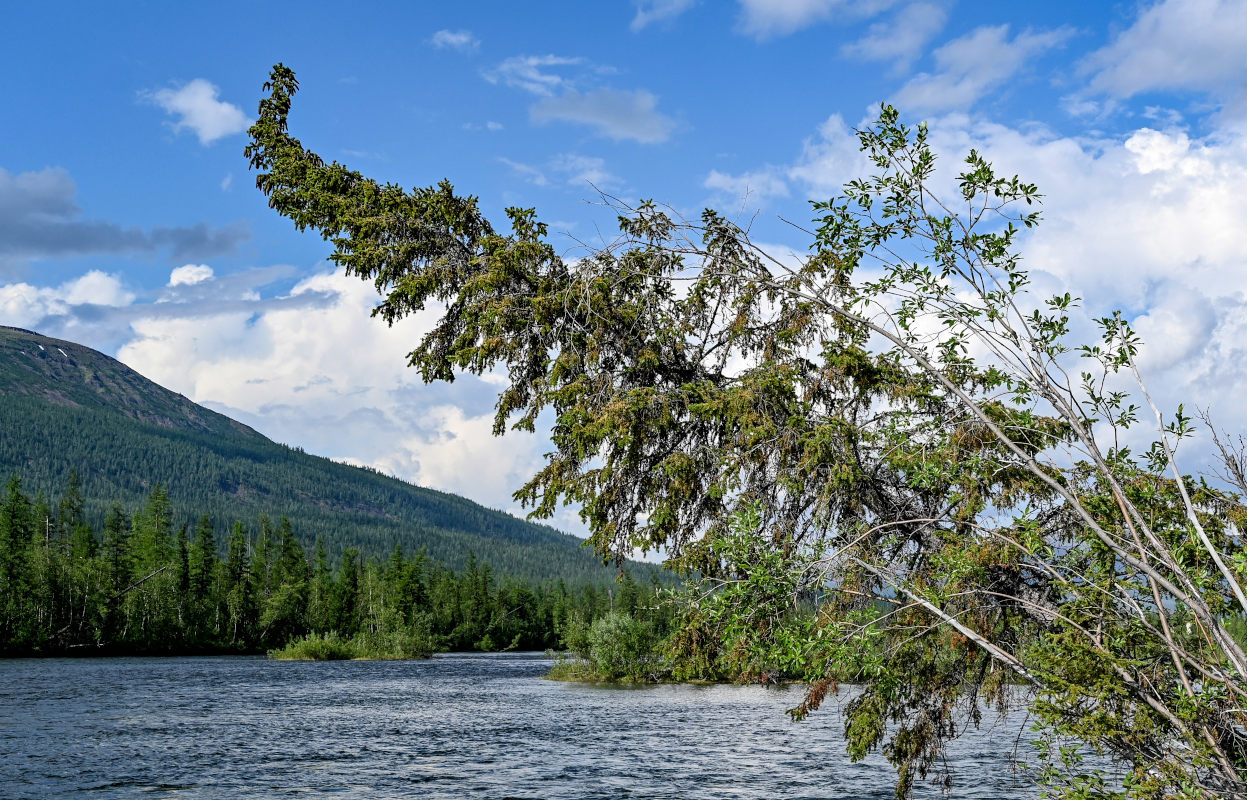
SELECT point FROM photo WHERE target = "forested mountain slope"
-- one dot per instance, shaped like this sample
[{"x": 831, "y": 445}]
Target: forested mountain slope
[{"x": 64, "y": 406}]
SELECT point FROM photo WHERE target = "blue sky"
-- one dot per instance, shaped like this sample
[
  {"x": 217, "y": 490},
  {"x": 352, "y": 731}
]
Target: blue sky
[{"x": 129, "y": 221}]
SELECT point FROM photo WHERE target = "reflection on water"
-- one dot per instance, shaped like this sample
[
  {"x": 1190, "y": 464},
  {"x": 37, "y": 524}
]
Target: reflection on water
[{"x": 459, "y": 726}]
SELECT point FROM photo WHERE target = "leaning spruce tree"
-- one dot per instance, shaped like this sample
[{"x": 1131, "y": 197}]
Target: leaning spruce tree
[{"x": 892, "y": 421}]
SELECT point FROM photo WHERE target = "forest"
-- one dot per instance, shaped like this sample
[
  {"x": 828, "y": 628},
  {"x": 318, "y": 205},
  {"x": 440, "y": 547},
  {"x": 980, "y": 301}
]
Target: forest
[
  {"x": 123, "y": 433},
  {"x": 141, "y": 583}
]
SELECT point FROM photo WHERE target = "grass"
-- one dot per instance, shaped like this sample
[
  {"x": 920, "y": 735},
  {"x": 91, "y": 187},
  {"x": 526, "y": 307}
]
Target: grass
[
  {"x": 397, "y": 646},
  {"x": 568, "y": 667}
]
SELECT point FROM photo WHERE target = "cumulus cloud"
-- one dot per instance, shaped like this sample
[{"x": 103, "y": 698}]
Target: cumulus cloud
[
  {"x": 969, "y": 67},
  {"x": 651, "y": 11},
  {"x": 40, "y": 218},
  {"x": 190, "y": 274},
  {"x": 463, "y": 41},
  {"x": 330, "y": 378},
  {"x": 97, "y": 308},
  {"x": 198, "y": 109},
  {"x": 1148, "y": 222},
  {"x": 1121, "y": 214},
  {"x": 829, "y": 159},
  {"x": 26, "y": 306},
  {"x": 532, "y": 73},
  {"x": 613, "y": 113},
  {"x": 196, "y": 290},
  {"x": 451, "y": 450},
  {"x": 900, "y": 39},
  {"x": 1175, "y": 44},
  {"x": 1178, "y": 324},
  {"x": 249, "y": 358}
]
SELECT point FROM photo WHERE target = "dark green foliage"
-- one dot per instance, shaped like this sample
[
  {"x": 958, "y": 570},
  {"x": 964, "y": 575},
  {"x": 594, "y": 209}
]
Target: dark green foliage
[
  {"x": 373, "y": 647},
  {"x": 119, "y": 435},
  {"x": 316, "y": 647},
  {"x": 146, "y": 589},
  {"x": 623, "y": 646}
]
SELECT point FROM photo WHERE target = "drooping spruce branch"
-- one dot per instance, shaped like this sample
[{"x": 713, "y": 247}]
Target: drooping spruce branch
[{"x": 906, "y": 421}]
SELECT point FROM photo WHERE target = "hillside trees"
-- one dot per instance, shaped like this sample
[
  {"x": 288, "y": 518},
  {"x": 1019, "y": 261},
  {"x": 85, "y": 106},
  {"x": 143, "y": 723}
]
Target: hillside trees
[
  {"x": 63, "y": 590},
  {"x": 892, "y": 420}
]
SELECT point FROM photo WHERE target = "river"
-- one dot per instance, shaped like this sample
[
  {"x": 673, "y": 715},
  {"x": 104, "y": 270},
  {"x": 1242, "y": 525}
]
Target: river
[{"x": 456, "y": 726}]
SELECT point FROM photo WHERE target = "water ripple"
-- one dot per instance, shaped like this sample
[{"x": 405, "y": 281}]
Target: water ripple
[{"x": 458, "y": 726}]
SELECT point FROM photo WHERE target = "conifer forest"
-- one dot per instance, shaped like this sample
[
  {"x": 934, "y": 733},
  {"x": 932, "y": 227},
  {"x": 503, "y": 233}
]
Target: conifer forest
[{"x": 145, "y": 583}]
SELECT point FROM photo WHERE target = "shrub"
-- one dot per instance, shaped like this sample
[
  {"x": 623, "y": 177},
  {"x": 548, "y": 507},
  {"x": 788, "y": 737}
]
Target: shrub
[
  {"x": 372, "y": 646},
  {"x": 623, "y": 647},
  {"x": 316, "y": 647}
]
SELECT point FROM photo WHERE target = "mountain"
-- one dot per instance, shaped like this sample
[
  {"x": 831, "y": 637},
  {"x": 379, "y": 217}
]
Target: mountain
[{"x": 64, "y": 406}]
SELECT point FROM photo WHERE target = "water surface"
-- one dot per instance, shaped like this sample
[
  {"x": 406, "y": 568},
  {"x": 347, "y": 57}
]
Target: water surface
[{"x": 457, "y": 726}]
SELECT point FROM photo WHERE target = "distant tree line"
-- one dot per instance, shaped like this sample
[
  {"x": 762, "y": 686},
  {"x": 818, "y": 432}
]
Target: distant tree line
[{"x": 142, "y": 584}]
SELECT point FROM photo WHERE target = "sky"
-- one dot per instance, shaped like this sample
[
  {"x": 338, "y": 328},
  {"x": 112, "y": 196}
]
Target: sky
[{"x": 129, "y": 221}]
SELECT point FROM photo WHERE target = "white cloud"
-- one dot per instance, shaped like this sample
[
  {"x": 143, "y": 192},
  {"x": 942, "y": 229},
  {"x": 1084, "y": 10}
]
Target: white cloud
[
  {"x": 24, "y": 306},
  {"x": 197, "y": 108},
  {"x": 1155, "y": 151},
  {"x": 332, "y": 379},
  {"x": 463, "y": 41},
  {"x": 900, "y": 39},
  {"x": 190, "y": 274},
  {"x": 531, "y": 73},
  {"x": 227, "y": 181},
  {"x": 1125, "y": 216},
  {"x": 1175, "y": 44},
  {"x": 96, "y": 288},
  {"x": 250, "y": 358},
  {"x": 767, "y": 19},
  {"x": 1149, "y": 222},
  {"x": 651, "y": 11},
  {"x": 614, "y": 113},
  {"x": 973, "y": 65},
  {"x": 752, "y": 186},
  {"x": 829, "y": 159},
  {"x": 456, "y": 452},
  {"x": 1175, "y": 329}
]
